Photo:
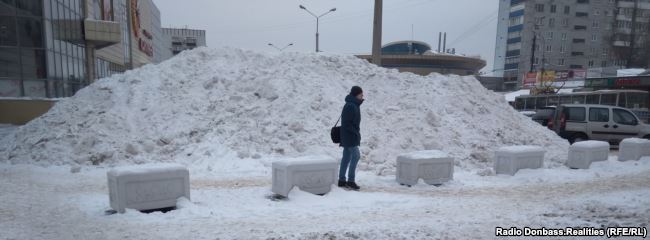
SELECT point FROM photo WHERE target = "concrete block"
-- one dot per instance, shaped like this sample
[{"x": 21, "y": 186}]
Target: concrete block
[
  {"x": 582, "y": 154},
  {"x": 633, "y": 149},
  {"x": 508, "y": 160},
  {"x": 314, "y": 174},
  {"x": 147, "y": 187},
  {"x": 433, "y": 166}
]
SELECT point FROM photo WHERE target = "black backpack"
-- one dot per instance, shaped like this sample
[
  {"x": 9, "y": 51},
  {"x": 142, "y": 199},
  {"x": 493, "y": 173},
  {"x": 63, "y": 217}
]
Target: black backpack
[{"x": 335, "y": 133}]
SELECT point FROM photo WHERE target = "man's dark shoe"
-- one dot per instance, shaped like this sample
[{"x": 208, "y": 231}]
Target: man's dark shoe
[
  {"x": 353, "y": 186},
  {"x": 343, "y": 183}
]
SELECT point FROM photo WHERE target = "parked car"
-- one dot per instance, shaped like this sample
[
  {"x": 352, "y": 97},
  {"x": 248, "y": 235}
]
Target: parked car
[
  {"x": 545, "y": 115},
  {"x": 580, "y": 122}
]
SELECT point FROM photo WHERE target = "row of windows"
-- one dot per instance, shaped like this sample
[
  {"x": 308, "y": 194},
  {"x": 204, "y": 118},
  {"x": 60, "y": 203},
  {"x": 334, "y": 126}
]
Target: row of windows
[
  {"x": 562, "y": 62},
  {"x": 600, "y": 115},
  {"x": 565, "y": 23}
]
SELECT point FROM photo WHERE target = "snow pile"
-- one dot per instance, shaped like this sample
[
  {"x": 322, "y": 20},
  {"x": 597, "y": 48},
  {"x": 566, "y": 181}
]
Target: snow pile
[{"x": 214, "y": 107}]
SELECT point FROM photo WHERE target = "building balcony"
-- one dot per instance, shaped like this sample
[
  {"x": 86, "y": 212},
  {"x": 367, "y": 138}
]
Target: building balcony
[{"x": 102, "y": 33}]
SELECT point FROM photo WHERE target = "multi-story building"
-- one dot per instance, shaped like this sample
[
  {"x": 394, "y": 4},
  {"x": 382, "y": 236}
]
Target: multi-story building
[
  {"x": 52, "y": 48},
  {"x": 177, "y": 40},
  {"x": 550, "y": 35},
  {"x": 632, "y": 44}
]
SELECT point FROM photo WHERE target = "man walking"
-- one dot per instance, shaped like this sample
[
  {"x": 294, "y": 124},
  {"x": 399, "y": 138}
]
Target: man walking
[{"x": 350, "y": 137}]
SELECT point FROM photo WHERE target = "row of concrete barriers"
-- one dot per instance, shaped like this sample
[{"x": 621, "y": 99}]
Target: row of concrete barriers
[{"x": 160, "y": 186}]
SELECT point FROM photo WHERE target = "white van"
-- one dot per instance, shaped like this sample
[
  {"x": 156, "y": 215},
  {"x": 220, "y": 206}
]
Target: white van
[{"x": 580, "y": 122}]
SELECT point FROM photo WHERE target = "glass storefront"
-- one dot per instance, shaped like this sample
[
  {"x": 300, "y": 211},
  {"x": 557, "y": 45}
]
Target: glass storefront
[{"x": 41, "y": 48}]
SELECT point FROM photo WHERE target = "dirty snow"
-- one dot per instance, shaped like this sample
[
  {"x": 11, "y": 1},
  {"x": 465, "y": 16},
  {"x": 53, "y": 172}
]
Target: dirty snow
[{"x": 50, "y": 203}]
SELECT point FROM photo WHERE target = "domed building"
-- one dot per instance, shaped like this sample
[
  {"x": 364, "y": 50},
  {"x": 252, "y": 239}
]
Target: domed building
[{"x": 417, "y": 57}]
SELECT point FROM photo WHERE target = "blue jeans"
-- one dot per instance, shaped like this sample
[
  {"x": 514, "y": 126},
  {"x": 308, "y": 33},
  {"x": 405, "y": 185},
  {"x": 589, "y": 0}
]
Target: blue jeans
[{"x": 351, "y": 157}]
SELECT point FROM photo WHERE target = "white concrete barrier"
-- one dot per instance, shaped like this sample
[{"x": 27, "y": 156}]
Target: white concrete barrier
[
  {"x": 433, "y": 166},
  {"x": 314, "y": 174},
  {"x": 147, "y": 187},
  {"x": 508, "y": 160},
  {"x": 582, "y": 154},
  {"x": 633, "y": 149}
]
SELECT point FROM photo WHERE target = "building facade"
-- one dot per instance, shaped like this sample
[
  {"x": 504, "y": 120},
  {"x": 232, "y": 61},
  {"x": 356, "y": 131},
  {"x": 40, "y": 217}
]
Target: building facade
[
  {"x": 631, "y": 39},
  {"x": 417, "y": 57},
  {"x": 176, "y": 40},
  {"x": 567, "y": 37},
  {"x": 53, "y": 48}
]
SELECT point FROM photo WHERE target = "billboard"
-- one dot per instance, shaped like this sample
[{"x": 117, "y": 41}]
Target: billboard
[{"x": 530, "y": 79}]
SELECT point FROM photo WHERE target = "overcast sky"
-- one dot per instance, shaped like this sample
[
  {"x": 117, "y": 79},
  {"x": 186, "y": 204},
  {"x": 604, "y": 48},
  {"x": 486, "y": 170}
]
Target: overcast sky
[{"x": 252, "y": 24}]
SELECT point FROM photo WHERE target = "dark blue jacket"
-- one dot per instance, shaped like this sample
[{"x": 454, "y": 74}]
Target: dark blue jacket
[{"x": 350, "y": 121}]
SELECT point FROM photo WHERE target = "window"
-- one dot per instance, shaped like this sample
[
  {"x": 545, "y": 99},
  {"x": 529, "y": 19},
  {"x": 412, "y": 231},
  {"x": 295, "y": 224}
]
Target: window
[
  {"x": 530, "y": 103},
  {"x": 564, "y": 36},
  {"x": 608, "y": 99},
  {"x": 594, "y": 37},
  {"x": 541, "y": 102},
  {"x": 30, "y": 32},
  {"x": 595, "y": 24},
  {"x": 32, "y": 8},
  {"x": 579, "y": 27},
  {"x": 624, "y": 117},
  {"x": 549, "y": 35},
  {"x": 591, "y": 63},
  {"x": 8, "y": 32},
  {"x": 565, "y": 22},
  {"x": 593, "y": 99},
  {"x": 599, "y": 115},
  {"x": 622, "y": 100},
  {"x": 567, "y": 10},
  {"x": 519, "y": 103},
  {"x": 565, "y": 100},
  {"x": 539, "y": 7},
  {"x": 576, "y": 114},
  {"x": 560, "y": 62},
  {"x": 553, "y": 8},
  {"x": 551, "y": 22},
  {"x": 582, "y": 14},
  {"x": 549, "y": 48},
  {"x": 10, "y": 66},
  {"x": 637, "y": 100}
]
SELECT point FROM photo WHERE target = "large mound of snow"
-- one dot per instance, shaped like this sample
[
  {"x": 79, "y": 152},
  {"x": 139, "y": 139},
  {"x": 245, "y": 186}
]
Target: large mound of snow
[{"x": 211, "y": 106}]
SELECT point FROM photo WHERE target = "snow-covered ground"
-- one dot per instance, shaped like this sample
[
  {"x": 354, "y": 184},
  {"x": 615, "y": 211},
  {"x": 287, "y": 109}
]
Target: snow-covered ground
[
  {"x": 52, "y": 203},
  {"x": 227, "y": 114}
]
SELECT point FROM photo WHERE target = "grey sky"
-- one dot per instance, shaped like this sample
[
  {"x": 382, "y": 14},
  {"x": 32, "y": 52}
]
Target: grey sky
[{"x": 251, "y": 24}]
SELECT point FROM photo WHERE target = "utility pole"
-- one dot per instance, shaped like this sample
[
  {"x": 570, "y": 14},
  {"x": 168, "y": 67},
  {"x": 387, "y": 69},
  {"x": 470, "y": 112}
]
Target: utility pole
[
  {"x": 376, "y": 33},
  {"x": 532, "y": 56}
]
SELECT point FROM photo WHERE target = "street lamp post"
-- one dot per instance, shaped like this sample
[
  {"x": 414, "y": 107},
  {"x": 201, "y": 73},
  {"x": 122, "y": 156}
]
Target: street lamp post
[
  {"x": 280, "y": 49},
  {"x": 317, "y": 21}
]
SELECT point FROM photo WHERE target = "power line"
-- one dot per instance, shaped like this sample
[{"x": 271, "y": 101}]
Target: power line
[{"x": 475, "y": 28}]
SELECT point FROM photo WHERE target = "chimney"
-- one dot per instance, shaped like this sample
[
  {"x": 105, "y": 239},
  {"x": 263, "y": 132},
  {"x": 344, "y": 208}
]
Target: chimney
[
  {"x": 444, "y": 43},
  {"x": 439, "y": 40}
]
